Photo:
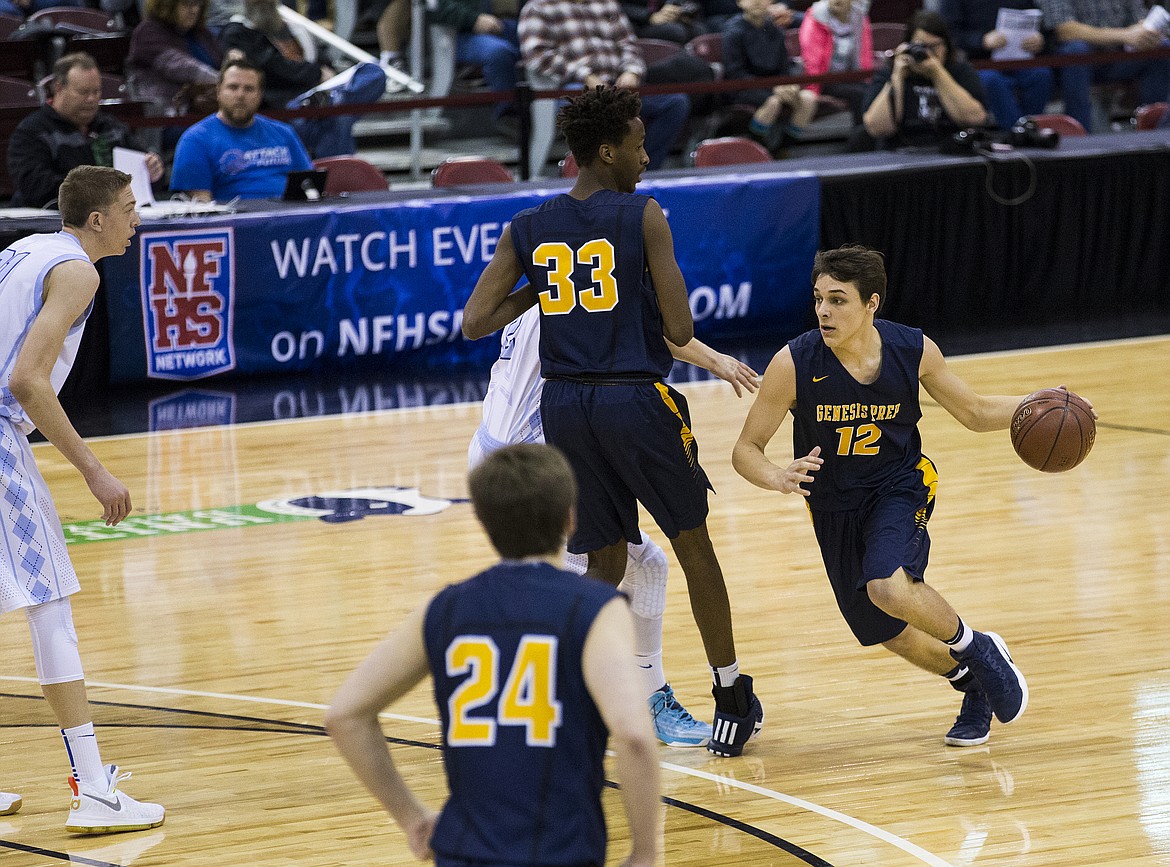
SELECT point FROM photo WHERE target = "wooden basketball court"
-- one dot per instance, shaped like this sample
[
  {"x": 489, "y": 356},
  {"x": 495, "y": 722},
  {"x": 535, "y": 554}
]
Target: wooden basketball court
[{"x": 212, "y": 649}]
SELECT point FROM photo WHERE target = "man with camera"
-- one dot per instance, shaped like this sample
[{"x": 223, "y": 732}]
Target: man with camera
[{"x": 924, "y": 95}]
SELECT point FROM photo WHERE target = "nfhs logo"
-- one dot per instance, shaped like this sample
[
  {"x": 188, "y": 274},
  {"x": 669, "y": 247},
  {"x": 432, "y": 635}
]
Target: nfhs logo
[{"x": 188, "y": 284}]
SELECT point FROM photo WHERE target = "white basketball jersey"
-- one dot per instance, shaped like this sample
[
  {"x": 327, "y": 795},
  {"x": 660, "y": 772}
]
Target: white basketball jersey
[
  {"x": 23, "y": 269},
  {"x": 511, "y": 409}
]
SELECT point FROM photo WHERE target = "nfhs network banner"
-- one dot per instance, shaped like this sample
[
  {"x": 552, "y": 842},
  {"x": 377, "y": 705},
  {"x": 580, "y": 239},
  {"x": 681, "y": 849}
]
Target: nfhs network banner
[{"x": 314, "y": 289}]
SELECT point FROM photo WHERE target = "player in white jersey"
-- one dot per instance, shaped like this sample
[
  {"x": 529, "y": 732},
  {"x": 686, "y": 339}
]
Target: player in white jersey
[
  {"x": 511, "y": 414},
  {"x": 47, "y": 286}
]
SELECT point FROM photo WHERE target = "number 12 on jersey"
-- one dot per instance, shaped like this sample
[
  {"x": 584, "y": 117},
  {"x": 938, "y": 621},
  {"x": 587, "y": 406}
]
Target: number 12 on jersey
[
  {"x": 528, "y": 697},
  {"x": 600, "y": 296}
]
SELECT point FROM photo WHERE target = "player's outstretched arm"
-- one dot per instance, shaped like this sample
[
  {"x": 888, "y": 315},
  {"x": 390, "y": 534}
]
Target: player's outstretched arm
[
  {"x": 776, "y": 397},
  {"x": 68, "y": 290},
  {"x": 677, "y": 323},
  {"x": 608, "y": 667},
  {"x": 726, "y": 367},
  {"x": 389, "y": 672},
  {"x": 974, "y": 411},
  {"x": 493, "y": 304}
]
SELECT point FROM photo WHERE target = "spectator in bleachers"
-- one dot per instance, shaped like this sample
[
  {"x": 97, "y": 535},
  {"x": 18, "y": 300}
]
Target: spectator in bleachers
[
  {"x": 921, "y": 102},
  {"x": 174, "y": 59},
  {"x": 1087, "y": 26},
  {"x": 575, "y": 44},
  {"x": 69, "y": 131},
  {"x": 754, "y": 47},
  {"x": 393, "y": 29},
  {"x": 835, "y": 36},
  {"x": 1011, "y": 93},
  {"x": 24, "y": 8},
  {"x": 716, "y": 14},
  {"x": 237, "y": 152},
  {"x": 675, "y": 21},
  {"x": 487, "y": 41},
  {"x": 261, "y": 35}
]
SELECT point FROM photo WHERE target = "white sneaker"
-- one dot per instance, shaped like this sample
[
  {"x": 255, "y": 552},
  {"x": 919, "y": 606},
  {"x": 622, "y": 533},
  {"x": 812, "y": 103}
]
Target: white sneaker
[
  {"x": 9, "y": 803},
  {"x": 108, "y": 811}
]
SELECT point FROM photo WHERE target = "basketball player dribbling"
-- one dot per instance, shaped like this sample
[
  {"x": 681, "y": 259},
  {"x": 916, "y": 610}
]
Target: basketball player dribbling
[
  {"x": 600, "y": 261},
  {"x": 852, "y": 386},
  {"x": 511, "y": 414}
]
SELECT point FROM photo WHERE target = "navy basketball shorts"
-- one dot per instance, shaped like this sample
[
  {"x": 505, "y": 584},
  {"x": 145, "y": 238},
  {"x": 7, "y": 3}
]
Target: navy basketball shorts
[
  {"x": 868, "y": 544},
  {"x": 627, "y": 444}
]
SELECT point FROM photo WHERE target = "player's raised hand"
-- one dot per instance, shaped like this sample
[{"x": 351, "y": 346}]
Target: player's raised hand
[
  {"x": 731, "y": 369},
  {"x": 800, "y": 472},
  {"x": 112, "y": 494}
]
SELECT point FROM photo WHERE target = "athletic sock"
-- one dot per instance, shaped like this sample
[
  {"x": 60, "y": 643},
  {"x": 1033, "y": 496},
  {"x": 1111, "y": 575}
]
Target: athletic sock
[
  {"x": 960, "y": 677},
  {"x": 650, "y": 668},
  {"x": 962, "y": 638},
  {"x": 725, "y": 675},
  {"x": 82, "y": 747}
]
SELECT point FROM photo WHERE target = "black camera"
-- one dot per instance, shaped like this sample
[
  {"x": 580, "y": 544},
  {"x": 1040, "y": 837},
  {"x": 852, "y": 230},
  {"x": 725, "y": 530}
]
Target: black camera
[
  {"x": 1028, "y": 134},
  {"x": 917, "y": 51}
]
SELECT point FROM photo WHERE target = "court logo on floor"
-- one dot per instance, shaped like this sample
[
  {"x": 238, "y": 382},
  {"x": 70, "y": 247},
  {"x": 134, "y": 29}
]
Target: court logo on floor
[
  {"x": 331, "y": 507},
  {"x": 188, "y": 292}
]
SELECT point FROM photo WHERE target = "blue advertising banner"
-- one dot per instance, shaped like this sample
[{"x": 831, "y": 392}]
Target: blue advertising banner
[{"x": 315, "y": 289}]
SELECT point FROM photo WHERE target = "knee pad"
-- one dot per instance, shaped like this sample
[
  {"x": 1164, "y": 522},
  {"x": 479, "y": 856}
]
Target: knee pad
[
  {"x": 54, "y": 642},
  {"x": 645, "y": 579}
]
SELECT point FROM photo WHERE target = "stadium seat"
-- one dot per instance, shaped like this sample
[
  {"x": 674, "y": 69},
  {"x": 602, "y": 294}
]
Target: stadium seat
[
  {"x": 79, "y": 19},
  {"x": 348, "y": 174},
  {"x": 458, "y": 171},
  {"x": 569, "y": 168},
  {"x": 109, "y": 50},
  {"x": 1147, "y": 116},
  {"x": 14, "y": 92},
  {"x": 20, "y": 58},
  {"x": 656, "y": 50},
  {"x": 709, "y": 47},
  {"x": 792, "y": 43},
  {"x": 8, "y": 24},
  {"x": 1061, "y": 123},
  {"x": 729, "y": 151},
  {"x": 886, "y": 37}
]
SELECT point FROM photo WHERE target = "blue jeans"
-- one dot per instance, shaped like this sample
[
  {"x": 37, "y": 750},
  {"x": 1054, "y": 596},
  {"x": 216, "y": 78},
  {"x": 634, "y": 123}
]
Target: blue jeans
[
  {"x": 664, "y": 115},
  {"x": 496, "y": 55},
  {"x": 1016, "y": 93},
  {"x": 1153, "y": 79}
]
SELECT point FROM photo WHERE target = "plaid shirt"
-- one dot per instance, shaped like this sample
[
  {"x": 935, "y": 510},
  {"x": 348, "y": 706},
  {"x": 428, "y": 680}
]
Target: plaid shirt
[
  {"x": 1095, "y": 13},
  {"x": 568, "y": 40}
]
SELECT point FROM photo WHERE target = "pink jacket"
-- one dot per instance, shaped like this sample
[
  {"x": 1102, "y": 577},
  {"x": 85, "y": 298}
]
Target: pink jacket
[{"x": 816, "y": 45}]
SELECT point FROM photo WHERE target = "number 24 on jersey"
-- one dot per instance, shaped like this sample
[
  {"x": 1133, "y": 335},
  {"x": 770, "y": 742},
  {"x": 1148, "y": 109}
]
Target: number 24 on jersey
[{"x": 528, "y": 697}]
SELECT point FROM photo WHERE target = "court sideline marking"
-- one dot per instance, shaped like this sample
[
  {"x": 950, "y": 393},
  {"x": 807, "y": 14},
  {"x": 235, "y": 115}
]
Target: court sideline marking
[{"x": 825, "y": 812}]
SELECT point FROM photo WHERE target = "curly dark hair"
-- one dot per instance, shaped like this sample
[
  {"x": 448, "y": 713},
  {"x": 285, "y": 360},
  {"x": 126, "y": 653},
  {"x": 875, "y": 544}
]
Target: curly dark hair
[{"x": 600, "y": 115}]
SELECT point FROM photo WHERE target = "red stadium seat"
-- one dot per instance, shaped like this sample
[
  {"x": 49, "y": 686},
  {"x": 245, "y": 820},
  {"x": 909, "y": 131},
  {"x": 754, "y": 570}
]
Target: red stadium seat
[
  {"x": 1061, "y": 123},
  {"x": 458, "y": 171},
  {"x": 14, "y": 92},
  {"x": 9, "y": 23},
  {"x": 349, "y": 174},
  {"x": 709, "y": 47},
  {"x": 656, "y": 50},
  {"x": 1147, "y": 116},
  {"x": 886, "y": 37},
  {"x": 729, "y": 151},
  {"x": 77, "y": 18}
]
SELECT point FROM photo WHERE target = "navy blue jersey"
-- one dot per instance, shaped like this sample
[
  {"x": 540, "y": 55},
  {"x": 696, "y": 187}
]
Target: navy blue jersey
[
  {"x": 586, "y": 259},
  {"x": 523, "y": 741},
  {"x": 868, "y": 434}
]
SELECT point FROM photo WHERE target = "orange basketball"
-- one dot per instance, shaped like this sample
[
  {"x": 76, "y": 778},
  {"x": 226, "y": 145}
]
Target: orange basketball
[{"x": 1053, "y": 430}]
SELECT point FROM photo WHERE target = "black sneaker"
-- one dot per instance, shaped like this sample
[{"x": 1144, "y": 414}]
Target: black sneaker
[
  {"x": 1003, "y": 684},
  {"x": 739, "y": 716},
  {"x": 973, "y": 724}
]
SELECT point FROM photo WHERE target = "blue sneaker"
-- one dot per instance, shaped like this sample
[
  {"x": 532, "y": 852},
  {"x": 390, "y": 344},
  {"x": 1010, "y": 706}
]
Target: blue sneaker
[
  {"x": 673, "y": 723},
  {"x": 973, "y": 724},
  {"x": 739, "y": 716},
  {"x": 1002, "y": 683}
]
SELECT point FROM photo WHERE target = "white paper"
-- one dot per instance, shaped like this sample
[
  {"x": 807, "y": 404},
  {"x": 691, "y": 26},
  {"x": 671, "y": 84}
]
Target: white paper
[
  {"x": 1158, "y": 20},
  {"x": 1016, "y": 25},
  {"x": 133, "y": 163}
]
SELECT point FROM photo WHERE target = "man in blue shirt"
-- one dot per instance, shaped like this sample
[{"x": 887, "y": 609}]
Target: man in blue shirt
[{"x": 237, "y": 152}]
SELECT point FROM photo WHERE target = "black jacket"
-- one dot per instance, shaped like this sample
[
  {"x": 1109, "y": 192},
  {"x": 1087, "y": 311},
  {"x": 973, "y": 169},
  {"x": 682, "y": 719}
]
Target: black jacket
[{"x": 45, "y": 146}]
